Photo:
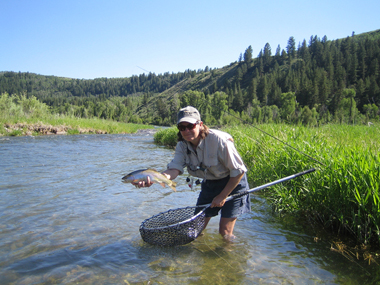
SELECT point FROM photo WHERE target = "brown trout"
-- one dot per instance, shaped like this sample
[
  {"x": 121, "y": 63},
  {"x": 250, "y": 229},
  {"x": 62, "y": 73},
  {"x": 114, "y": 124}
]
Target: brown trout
[{"x": 154, "y": 176}]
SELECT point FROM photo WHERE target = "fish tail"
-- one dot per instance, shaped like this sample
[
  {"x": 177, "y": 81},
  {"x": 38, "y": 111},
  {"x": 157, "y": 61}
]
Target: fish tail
[{"x": 173, "y": 185}]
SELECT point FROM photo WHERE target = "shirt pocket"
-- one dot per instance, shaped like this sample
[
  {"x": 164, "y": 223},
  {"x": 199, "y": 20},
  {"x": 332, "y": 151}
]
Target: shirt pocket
[
  {"x": 211, "y": 160},
  {"x": 215, "y": 167}
]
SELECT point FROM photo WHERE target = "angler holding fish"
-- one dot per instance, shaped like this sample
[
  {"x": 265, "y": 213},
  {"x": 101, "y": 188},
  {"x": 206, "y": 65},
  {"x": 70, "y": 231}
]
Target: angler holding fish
[{"x": 211, "y": 155}]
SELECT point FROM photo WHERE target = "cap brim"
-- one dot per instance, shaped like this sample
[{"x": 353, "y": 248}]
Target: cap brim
[{"x": 188, "y": 120}]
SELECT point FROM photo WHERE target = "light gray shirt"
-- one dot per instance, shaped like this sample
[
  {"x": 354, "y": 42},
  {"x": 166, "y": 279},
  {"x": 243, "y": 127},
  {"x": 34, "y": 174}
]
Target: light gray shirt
[{"x": 214, "y": 158}]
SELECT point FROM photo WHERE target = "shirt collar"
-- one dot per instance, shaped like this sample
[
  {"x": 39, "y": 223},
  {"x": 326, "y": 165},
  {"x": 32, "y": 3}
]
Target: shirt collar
[{"x": 201, "y": 144}]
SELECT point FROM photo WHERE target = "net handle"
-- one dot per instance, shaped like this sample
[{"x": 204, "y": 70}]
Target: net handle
[{"x": 264, "y": 186}]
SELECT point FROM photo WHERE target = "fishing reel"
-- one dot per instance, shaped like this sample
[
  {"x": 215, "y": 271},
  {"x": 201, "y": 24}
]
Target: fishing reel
[{"x": 190, "y": 182}]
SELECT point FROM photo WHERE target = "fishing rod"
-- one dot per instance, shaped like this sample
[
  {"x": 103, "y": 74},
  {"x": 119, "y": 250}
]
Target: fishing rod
[{"x": 243, "y": 121}]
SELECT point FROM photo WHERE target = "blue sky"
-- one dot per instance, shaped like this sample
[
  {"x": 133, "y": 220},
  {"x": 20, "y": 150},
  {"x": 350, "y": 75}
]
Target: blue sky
[{"x": 115, "y": 38}]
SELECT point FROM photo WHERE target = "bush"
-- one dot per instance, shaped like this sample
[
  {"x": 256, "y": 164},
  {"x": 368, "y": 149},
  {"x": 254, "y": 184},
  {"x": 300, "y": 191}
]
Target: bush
[{"x": 166, "y": 137}]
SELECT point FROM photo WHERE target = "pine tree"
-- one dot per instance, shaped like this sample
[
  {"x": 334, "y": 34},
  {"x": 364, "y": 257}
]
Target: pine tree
[
  {"x": 248, "y": 56},
  {"x": 374, "y": 91},
  {"x": 362, "y": 67},
  {"x": 303, "y": 52},
  {"x": 238, "y": 102},
  {"x": 291, "y": 48},
  {"x": 263, "y": 90},
  {"x": 267, "y": 57},
  {"x": 277, "y": 56},
  {"x": 324, "y": 90}
]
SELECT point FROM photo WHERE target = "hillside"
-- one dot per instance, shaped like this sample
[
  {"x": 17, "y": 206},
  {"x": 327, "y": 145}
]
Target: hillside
[{"x": 318, "y": 81}]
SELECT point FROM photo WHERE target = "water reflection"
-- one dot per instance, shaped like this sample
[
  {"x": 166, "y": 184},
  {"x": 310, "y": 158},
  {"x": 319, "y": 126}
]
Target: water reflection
[{"x": 67, "y": 218}]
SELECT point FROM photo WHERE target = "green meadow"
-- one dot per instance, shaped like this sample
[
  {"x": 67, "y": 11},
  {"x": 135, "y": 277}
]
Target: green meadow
[{"x": 341, "y": 195}]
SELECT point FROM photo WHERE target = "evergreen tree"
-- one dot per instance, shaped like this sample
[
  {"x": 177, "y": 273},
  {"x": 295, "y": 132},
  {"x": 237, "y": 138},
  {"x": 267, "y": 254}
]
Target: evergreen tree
[
  {"x": 362, "y": 67},
  {"x": 238, "y": 102},
  {"x": 324, "y": 90},
  {"x": 291, "y": 48},
  {"x": 277, "y": 56},
  {"x": 374, "y": 91},
  {"x": 263, "y": 90},
  {"x": 252, "y": 92},
  {"x": 361, "y": 94},
  {"x": 248, "y": 56},
  {"x": 267, "y": 57}
]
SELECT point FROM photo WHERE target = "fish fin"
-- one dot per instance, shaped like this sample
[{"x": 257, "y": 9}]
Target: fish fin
[
  {"x": 172, "y": 186},
  {"x": 162, "y": 184}
]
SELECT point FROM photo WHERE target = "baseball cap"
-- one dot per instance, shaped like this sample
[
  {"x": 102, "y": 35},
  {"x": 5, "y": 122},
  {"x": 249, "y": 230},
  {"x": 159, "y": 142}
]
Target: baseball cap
[{"x": 188, "y": 114}]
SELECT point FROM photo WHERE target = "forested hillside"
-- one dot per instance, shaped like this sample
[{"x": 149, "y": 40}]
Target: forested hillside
[{"x": 315, "y": 81}]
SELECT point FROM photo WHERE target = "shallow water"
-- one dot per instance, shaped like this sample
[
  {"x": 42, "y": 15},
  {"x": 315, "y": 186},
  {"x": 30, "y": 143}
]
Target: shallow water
[{"x": 67, "y": 218}]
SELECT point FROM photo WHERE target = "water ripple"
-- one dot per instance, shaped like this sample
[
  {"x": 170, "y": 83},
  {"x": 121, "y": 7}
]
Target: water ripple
[{"x": 67, "y": 218}]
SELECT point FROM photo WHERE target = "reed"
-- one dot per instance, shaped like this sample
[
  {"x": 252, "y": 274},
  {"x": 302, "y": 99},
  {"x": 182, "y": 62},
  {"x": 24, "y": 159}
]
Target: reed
[{"x": 343, "y": 193}]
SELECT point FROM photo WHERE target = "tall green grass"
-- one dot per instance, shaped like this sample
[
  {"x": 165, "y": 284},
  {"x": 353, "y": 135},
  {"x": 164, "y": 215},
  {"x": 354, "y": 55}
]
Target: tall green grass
[{"x": 343, "y": 192}]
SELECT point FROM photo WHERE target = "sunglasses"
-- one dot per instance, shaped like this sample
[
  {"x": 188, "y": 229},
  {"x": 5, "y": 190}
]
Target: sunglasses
[{"x": 190, "y": 127}]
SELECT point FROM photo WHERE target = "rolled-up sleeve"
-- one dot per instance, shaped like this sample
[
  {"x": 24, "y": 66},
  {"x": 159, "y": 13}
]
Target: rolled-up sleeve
[{"x": 179, "y": 160}]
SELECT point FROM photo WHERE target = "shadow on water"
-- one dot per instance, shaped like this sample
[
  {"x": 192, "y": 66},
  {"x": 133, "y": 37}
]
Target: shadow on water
[{"x": 67, "y": 218}]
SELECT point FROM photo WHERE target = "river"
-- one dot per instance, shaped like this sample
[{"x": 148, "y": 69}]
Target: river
[{"x": 67, "y": 218}]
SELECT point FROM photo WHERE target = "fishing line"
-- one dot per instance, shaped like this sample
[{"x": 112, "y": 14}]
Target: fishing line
[
  {"x": 285, "y": 143},
  {"x": 243, "y": 121},
  {"x": 143, "y": 69}
]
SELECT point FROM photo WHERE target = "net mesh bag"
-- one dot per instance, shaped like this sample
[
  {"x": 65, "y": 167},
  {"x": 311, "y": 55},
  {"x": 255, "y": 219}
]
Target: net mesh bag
[{"x": 173, "y": 227}]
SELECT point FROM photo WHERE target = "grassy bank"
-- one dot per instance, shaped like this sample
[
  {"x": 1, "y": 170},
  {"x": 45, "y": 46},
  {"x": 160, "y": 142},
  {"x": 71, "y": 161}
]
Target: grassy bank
[
  {"x": 20, "y": 115},
  {"x": 342, "y": 195},
  {"x": 55, "y": 124}
]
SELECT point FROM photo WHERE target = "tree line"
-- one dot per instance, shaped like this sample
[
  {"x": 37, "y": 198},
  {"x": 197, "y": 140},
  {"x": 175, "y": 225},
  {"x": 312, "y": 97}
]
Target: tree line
[
  {"x": 327, "y": 76},
  {"x": 318, "y": 81}
]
